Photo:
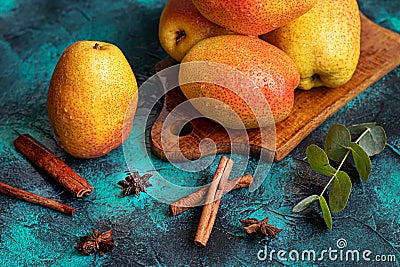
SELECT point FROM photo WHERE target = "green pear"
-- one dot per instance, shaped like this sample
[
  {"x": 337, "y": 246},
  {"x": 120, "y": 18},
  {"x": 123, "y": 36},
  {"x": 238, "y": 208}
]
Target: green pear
[
  {"x": 181, "y": 26},
  {"x": 324, "y": 43}
]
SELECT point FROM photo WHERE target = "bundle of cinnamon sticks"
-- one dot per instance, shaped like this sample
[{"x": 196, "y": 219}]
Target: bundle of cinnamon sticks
[{"x": 210, "y": 197}]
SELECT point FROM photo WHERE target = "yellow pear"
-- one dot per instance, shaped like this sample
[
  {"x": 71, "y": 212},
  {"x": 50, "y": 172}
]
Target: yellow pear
[
  {"x": 181, "y": 26},
  {"x": 324, "y": 43},
  {"x": 92, "y": 99}
]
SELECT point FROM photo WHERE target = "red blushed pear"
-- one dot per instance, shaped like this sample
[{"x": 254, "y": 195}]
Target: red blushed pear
[
  {"x": 253, "y": 17},
  {"x": 273, "y": 76},
  {"x": 181, "y": 26}
]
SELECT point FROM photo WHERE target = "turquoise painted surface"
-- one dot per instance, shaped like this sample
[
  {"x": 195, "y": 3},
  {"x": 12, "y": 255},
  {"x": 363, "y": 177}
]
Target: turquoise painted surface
[
  {"x": 7, "y": 7},
  {"x": 33, "y": 36}
]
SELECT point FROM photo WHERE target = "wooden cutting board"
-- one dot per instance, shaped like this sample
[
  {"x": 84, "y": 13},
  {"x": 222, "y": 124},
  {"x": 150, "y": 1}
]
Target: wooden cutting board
[{"x": 380, "y": 53}]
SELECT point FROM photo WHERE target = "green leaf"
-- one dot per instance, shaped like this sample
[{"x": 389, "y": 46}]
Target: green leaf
[
  {"x": 339, "y": 192},
  {"x": 358, "y": 129},
  {"x": 325, "y": 211},
  {"x": 337, "y": 142},
  {"x": 305, "y": 203},
  {"x": 374, "y": 141},
  {"x": 319, "y": 161},
  {"x": 362, "y": 161}
]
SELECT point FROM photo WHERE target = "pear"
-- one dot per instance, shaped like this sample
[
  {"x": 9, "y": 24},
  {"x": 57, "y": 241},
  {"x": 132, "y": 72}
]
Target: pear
[
  {"x": 324, "y": 43},
  {"x": 272, "y": 73},
  {"x": 181, "y": 26},
  {"x": 92, "y": 99},
  {"x": 253, "y": 17}
]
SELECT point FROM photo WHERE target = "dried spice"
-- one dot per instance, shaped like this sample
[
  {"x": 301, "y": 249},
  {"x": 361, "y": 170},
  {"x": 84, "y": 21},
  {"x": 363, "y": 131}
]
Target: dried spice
[
  {"x": 47, "y": 161},
  {"x": 96, "y": 242},
  {"x": 212, "y": 201},
  {"x": 254, "y": 228},
  {"x": 133, "y": 183},
  {"x": 196, "y": 198},
  {"x": 35, "y": 199}
]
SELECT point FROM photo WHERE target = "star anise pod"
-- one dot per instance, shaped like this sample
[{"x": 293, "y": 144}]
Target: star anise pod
[
  {"x": 96, "y": 242},
  {"x": 254, "y": 227},
  {"x": 133, "y": 183}
]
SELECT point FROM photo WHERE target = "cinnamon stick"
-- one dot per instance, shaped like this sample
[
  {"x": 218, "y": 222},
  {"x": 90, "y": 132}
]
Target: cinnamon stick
[
  {"x": 52, "y": 165},
  {"x": 213, "y": 199},
  {"x": 35, "y": 199},
  {"x": 196, "y": 198}
]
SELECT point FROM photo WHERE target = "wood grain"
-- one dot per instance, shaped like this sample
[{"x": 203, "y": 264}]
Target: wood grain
[{"x": 380, "y": 50}]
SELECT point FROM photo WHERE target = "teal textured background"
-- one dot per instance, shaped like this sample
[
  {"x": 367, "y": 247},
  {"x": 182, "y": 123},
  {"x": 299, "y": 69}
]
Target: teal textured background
[{"x": 33, "y": 34}]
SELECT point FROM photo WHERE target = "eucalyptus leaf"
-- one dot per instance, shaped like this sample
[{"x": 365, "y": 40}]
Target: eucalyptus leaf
[
  {"x": 369, "y": 140},
  {"x": 339, "y": 192},
  {"x": 374, "y": 141},
  {"x": 362, "y": 161},
  {"x": 305, "y": 203},
  {"x": 358, "y": 129},
  {"x": 319, "y": 161},
  {"x": 337, "y": 142},
  {"x": 325, "y": 211}
]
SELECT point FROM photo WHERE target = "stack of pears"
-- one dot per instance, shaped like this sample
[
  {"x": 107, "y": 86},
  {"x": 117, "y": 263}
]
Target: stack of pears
[{"x": 280, "y": 45}]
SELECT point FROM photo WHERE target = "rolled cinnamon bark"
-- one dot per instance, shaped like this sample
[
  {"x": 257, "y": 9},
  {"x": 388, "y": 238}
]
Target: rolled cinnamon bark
[
  {"x": 213, "y": 199},
  {"x": 35, "y": 199},
  {"x": 52, "y": 165},
  {"x": 196, "y": 198}
]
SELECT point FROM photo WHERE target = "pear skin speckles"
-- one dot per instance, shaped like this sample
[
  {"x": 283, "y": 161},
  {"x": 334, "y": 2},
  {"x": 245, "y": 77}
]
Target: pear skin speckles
[
  {"x": 253, "y": 17},
  {"x": 270, "y": 69},
  {"x": 324, "y": 43},
  {"x": 181, "y": 26},
  {"x": 92, "y": 99}
]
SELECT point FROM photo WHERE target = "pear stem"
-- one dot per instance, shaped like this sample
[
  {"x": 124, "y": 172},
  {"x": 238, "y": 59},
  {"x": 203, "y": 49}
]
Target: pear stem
[
  {"x": 97, "y": 46},
  {"x": 180, "y": 35}
]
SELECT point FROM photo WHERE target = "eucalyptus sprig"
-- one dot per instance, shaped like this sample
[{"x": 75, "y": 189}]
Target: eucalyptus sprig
[{"x": 369, "y": 140}]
